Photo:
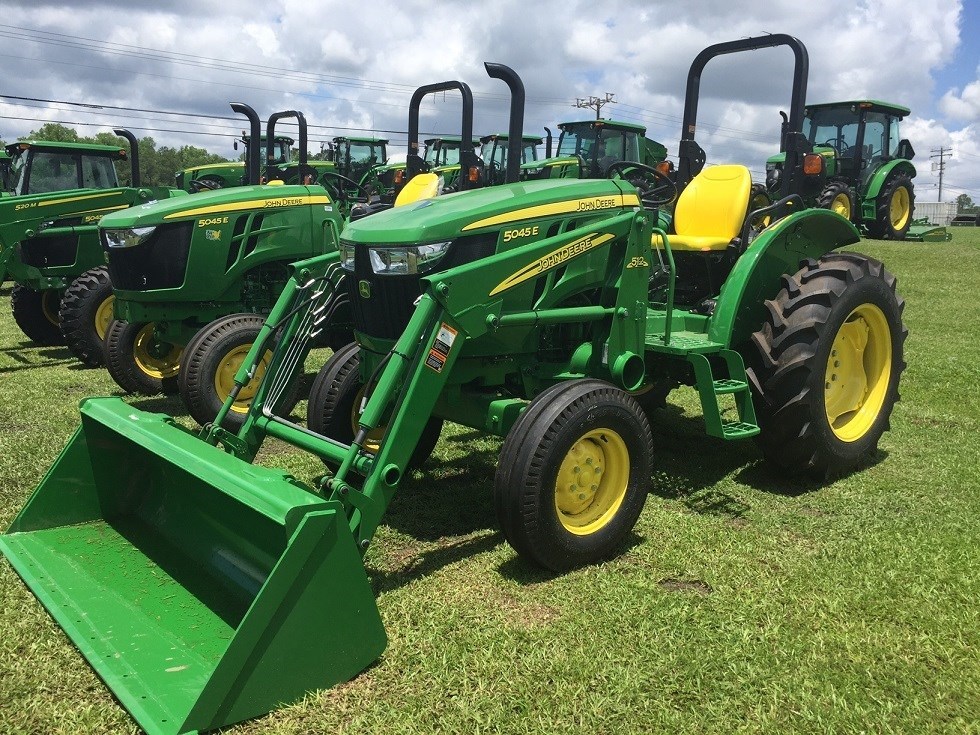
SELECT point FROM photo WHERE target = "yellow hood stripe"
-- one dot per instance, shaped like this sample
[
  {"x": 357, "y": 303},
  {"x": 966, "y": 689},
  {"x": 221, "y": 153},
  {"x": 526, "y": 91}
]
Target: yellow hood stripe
[
  {"x": 82, "y": 198},
  {"x": 271, "y": 203},
  {"x": 586, "y": 204},
  {"x": 557, "y": 257}
]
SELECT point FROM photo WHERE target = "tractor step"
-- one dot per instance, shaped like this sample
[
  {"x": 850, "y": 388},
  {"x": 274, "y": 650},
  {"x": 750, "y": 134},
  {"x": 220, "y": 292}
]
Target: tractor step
[
  {"x": 738, "y": 430},
  {"x": 728, "y": 385},
  {"x": 735, "y": 385},
  {"x": 682, "y": 343}
]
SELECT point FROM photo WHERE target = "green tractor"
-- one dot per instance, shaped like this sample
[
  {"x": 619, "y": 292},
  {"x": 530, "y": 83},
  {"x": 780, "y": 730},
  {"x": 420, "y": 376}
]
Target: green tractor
[
  {"x": 211, "y": 176},
  {"x": 359, "y": 159},
  {"x": 192, "y": 279},
  {"x": 441, "y": 157},
  {"x": 864, "y": 172},
  {"x": 49, "y": 241},
  {"x": 545, "y": 312},
  {"x": 587, "y": 148},
  {"x": 493, "y": 153}
]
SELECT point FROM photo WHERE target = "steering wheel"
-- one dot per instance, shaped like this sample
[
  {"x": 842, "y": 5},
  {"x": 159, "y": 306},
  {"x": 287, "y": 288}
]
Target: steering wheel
[
  {"x": 205, "y": 184},
  {"x": 655, "y": 187},
  {"x": 340, "y": 192},
  {"x": 838, "y": 145}
]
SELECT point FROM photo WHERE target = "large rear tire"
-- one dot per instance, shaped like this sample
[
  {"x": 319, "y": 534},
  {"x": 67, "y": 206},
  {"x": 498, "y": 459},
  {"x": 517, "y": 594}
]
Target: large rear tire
[
  {"x": 36, "y": 313},
  {"x": 140, "y": 362},
  {"x": 85, "y": 315},
  {"x": 334, "y": 406},
  {"x": 828, "y": 361},
  {"x": 574, "y": 474},
  {"x": 893, "y": 208},
  {"x": 209, "y": 364}
]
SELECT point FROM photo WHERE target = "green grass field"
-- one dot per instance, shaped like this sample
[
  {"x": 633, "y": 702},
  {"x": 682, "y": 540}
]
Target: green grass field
[{"x": 743, "y": 603}]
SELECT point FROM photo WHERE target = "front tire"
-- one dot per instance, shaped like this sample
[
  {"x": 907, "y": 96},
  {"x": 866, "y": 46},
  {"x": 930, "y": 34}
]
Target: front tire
[
  {"x": 209, "y": 364},
  {"x": 334, "y": 406},
  {"x": 893, "y": 208},
  {"x": 838, "y": 197},
  {"x": 36, "y": 313},
  {"x": 828, "y": 362},
  {"x": 573, "y": 475},
  {"x": 85, "y": 315},
  {"x": 139, "y": 361}
]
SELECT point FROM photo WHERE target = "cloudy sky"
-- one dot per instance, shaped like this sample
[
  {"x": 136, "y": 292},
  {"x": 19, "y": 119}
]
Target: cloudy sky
[{"x": 351, "y": 68}]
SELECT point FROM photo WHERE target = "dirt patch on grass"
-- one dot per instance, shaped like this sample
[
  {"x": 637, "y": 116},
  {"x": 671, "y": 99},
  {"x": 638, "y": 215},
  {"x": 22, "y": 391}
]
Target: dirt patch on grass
[{"x": 694, "y": 586}]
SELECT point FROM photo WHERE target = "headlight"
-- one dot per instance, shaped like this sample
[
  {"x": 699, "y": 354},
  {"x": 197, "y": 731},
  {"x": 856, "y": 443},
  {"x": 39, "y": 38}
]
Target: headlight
[
  {"x": 406, "y": 260},
  {"x": 347, "y": 255},
  {"x": 127, "y": 238}
]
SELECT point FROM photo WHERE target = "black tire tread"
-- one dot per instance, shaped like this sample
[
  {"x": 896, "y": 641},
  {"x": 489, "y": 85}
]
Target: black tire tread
[
  {"x": 25, "y": 306},
  {"x": 77, "y": 315},
  {"x": 785, "y": 349}
]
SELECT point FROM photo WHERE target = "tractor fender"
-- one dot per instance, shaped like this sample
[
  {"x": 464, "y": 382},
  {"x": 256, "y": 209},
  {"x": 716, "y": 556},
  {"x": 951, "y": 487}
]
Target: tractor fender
[
  {"x": 879, "y": 177},
  {"x": 756, "y": 277}
]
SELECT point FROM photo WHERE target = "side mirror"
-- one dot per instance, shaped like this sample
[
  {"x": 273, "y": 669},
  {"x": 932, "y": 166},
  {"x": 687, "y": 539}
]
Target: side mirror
[{"x": 905, "y": 150}]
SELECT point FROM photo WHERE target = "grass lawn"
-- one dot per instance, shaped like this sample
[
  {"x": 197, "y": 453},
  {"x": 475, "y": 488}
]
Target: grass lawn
[{"x": 743, "y": 603}]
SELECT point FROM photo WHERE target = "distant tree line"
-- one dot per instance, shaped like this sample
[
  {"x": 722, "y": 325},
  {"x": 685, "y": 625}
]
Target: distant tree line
[
  {"x": 157, "y": 165},
  {"x": 965, "y": 204}
]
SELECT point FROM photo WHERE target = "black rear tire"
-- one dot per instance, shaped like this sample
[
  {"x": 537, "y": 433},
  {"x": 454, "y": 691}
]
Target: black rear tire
[
  {"x": 148, "y": 375},
  {"x": 36, "y": 313},
  {"x": 574, "y": 474},
  {"x": 209, "y": 364},
  {"x": 828, "y": 361},
  {"x": 85, "y": 315},
  {"x": 331, "y": 409},
  {"x": 893, "y": 208}
]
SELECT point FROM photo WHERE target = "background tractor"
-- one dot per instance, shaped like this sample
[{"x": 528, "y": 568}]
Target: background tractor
[
  {"x": 865, "y": 171},
  {"x": 208, "y": 177},
  {"x": 493, "y": 153},
  {"x": 544, "y": 312},
  {"x": 587, "y": 148},
  {"x": 49, "y": 240}
]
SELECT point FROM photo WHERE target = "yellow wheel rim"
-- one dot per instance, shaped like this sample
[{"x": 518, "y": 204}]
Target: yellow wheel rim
[
  {"x": 50, "y": 301},
  {"x": 156, "y": 358},
  {"x": 842, "y": 205},
  {"x": 899, "y": 208},
  {"x": 592, "y": 481},
  {"x": 103, "y": 316},
  {"x": 858, "y": 373},
  {"x": 224, "y": 377},
  {"x": 373, "y": 441}
]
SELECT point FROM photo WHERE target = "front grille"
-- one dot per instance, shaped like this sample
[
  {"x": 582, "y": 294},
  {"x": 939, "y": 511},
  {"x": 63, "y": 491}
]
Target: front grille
[
  {"x": 158, "y": 262},
  {"x": 385, "y": 312},
  {"x": 47, "y": 252}
]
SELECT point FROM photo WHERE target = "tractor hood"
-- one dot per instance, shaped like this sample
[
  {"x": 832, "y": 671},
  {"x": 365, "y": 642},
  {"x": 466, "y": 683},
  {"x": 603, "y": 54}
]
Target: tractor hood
[
  {"x": 482, "y": 210},
  {"x": 216, "y": 204}
]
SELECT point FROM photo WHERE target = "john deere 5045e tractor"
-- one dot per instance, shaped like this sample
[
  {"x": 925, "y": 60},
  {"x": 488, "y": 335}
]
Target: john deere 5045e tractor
[
  {"x": 193, "y": 279},
  {"x": 205, "y": 589},
  {"x": 864, "y": 172}
]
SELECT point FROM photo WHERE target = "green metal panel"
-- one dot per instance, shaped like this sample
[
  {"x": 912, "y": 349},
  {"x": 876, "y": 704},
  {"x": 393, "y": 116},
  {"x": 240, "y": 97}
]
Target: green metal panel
[
  {"x": 881, "y": 175},
  {"x": 756, "y": 276},
  {"x": 201, "y": 588}
]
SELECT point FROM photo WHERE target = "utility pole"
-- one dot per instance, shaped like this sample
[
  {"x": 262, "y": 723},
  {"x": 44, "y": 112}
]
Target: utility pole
[
  {"x": 942, "y": 154},
  {"x": 595, "y": 103}
]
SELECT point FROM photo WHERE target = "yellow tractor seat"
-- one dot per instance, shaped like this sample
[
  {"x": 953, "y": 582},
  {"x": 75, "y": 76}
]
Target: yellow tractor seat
[
  {"x": 421, "y": 186},
  {"x": 711, "y": 210}
]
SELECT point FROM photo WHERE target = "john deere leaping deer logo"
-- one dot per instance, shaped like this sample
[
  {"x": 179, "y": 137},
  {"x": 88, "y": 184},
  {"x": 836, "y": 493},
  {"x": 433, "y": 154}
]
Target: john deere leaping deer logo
[{"x": 364, "y": 288}]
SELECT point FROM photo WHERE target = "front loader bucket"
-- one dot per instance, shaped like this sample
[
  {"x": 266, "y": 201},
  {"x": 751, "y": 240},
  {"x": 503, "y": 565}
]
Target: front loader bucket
[{"x": 203, "y": 590}]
